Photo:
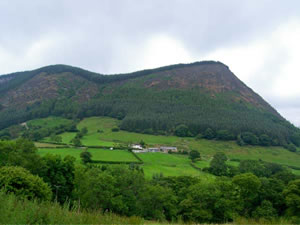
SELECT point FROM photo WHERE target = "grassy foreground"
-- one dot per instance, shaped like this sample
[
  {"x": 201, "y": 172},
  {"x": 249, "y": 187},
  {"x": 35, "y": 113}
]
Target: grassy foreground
[
  {"x": 16, "y": 211},
  {"x": 20, "y": 211}
]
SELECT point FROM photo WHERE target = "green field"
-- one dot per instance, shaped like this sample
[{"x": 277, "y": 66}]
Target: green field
[
  {"x": 169, "y": 165},
  {"x": 97, "y": 154},
  {"x": 166, "y": 163},
  {"x": 49, "y": 122},
  {"x": 105, "y": 124}
]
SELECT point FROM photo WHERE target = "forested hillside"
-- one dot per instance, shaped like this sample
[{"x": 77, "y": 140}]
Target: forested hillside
[{"x": 202, "y": 98}]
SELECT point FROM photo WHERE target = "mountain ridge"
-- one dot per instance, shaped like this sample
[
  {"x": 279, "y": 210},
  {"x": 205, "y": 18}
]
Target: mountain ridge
[{"x": 199, "y": 95}]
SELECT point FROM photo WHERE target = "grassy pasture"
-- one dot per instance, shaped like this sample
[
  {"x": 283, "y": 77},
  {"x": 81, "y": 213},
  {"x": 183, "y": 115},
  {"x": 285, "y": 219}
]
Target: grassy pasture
[
  {"x": 108, "y": 138},
  {"x": 97, "y": 154},
  {"x": 178, "y": 165},
  {"x": 169, "y": 165},
  {"x": 49, "y": 122}
]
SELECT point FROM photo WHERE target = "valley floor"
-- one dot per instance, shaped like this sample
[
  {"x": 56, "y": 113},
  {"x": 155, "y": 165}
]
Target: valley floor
[{"x": 101, "y": 136}]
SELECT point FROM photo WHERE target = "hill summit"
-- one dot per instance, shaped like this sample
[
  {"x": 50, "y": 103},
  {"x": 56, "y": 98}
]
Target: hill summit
[{"x": 191, "y": 97}]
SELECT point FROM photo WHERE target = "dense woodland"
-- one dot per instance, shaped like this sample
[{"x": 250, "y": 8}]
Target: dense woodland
[{"x": 255, "y": 189}]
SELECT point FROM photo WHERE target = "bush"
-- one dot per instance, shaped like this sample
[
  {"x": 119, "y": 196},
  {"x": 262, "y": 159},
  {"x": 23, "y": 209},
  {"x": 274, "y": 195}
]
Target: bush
[
  {"x": 250, "y": 138},
  {"x": 21, "y": 182},
  {"x": 182, "y": 131},
  {"x": 265, "y": 140},
  {"x": 115, "y": 129},
  {"x": 209, "y": 134},
  {"x": 224, "y": 135},
  {"x": 291, "y": 147}
]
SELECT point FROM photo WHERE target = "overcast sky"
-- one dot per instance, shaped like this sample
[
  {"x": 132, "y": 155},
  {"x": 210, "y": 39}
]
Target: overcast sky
[{"x": 258, "y": 39}]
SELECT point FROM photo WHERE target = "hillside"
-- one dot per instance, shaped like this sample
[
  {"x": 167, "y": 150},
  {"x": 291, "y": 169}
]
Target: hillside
[{"x": 200, "y": 95}]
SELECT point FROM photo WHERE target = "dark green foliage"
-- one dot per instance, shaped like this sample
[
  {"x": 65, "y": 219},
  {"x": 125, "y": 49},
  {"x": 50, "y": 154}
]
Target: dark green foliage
[
  {"x": 291, "y": 147},
  {"x": 84, "y": 131},
  {"x": 115, "y": 129},
  {"x": 194, "y": 154},
  {"x": 20, "y": 153},
  {"x": 295, "y": 138},
  {"x": 271, "y": 191},
  {"x": 292, "y": 198},
  {"x": 21, "y": 182},
  {"x": 86, "y": 157},
  {"x": 210, "y": 202},
  {"x": 265, "y": 211},
  {"x": 218, "y": 165},
  {"x": 156, "y": 202},
  {"x": 142, "y": 143},
  {"x": 265, "y": 140},
  {"x": 261, "y": 168},
  {"x": 55, "y": 138},
  {"x": 182, "y": 131},
  {"x": 224, "y": 135},
  {"x": 250, "y": 138},
  {"x": 76, "y": 141},
  {"x": 209, "y": 134},
  {"x": 113, "y": 189},
  {"x": 249, "y": 186},
  {"x": 240, "y": 141},
  {"x": 59, "y": 174}
]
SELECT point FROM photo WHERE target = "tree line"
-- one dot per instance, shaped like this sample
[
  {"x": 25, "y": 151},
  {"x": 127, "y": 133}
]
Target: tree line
[{"x": 258, "y": 190}]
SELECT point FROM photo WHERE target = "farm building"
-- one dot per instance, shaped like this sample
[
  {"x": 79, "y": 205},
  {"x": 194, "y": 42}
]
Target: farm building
[
  {"x": 140, "y": 151},
  {"x": 167, "y": 149},
  {"x": 137, "y": 147},
  {"x": 153, "y": 149}
]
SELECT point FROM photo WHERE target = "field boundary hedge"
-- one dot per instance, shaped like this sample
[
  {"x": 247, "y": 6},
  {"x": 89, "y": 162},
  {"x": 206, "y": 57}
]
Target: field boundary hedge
[
  {"x": 195, "y": 167},
  {"x": 137, "y": 157},
  {"x": 116, "y": 162}
]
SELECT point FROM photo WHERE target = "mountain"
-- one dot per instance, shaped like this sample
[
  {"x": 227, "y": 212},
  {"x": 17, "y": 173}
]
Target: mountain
[{"x": 197, "y": 96}]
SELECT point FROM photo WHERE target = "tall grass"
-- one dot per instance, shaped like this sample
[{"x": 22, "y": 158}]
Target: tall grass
[{"x": 17, "y": 211}]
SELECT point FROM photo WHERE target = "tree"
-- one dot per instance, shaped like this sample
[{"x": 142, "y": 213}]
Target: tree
[
  {"x": 142, "y": 143},
  {"x": 209, "y": 134},
  {"x": 194, "y": 154},
  {"x": 218, "y": 165},
  {"x": 265, "y": 210},
  {"x": 59, "y": 174},
  {"x": 265, "y": 140},
  {"x": 248, "y": 185},
  {"x": 224, "y": 135},
  {"x": 292, "y": 198},
  {"x": 56, "y": 138},
  {"x": 271, "y": 190},
  {"x": 213, "y": 202},
  {"x": 295, "y": 138},
  {"x": 250, "y": 138},
  {"x": 157, "y": 202},
  {"x": 182, "y": 131},
  {"x": 86, "y": 157},
  {"x": 84, "y": 131},
  {"x": 115, "y": 129},
  {"x": 291, "y": 147},
  {"x": 21, "y": 182},
  {"x": 76, "y": 142}
]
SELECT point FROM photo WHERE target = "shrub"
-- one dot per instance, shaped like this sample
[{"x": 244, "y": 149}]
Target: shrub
[
  {"x": 115, "y": 129},
  {"x": 182, "y": 131},
  {"x": 209, "y": 134},
  {"x": 21, "y": 182}
]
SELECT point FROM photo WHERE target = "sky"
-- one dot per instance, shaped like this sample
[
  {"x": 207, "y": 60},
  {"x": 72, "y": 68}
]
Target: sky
[{"x": 258, "y": 39}]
